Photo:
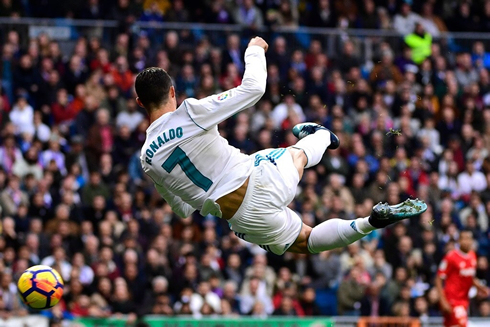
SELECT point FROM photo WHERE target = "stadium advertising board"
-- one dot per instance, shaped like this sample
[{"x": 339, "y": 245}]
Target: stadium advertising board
[
  {"x": 190, "y": 322},
  {"x": 27, "y": 321}
]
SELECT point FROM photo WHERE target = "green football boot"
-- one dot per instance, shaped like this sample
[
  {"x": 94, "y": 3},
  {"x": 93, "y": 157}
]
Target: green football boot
[{"x": 383, "y": 214}]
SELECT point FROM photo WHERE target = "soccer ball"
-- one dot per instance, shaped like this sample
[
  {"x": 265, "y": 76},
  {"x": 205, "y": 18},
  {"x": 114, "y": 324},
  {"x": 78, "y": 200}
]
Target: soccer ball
[{"x": 40, "y": 287}]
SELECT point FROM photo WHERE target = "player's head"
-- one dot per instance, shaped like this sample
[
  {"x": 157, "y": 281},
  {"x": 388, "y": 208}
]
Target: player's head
[
  {"x": 466, "y": 240},
  {"x": 154, "y": 89}
]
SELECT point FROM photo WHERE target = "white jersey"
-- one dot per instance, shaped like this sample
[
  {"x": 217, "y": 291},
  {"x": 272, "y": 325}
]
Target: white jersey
[{"x": 190, "y": 163}]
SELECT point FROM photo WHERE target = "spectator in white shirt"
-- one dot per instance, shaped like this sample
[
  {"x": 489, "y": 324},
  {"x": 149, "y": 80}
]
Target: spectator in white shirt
[
  {"x": 86, "y": 274},
  {"x": 58, "y": 260},
  {"x": 432, "y": 24},
  {"x": 254, "y": 295},
  {"x": 432, "y": 134},
  {"x": 131, "y": 117},
  {"x": 204, "y": 295},
  {"x": 476, "y": 207},
  {"x": 471, "y": 180},
  {"x": 447, "y": 158},
  {"x": 22, "y": 116},
  {"x": 405, "y": 21},
  {"x": 285, "y": 110}
]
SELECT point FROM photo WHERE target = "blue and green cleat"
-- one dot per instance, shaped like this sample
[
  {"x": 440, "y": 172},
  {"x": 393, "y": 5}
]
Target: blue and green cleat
[
  {"x": 305, "y": 129},
  {"x": 383, "y": 214}
]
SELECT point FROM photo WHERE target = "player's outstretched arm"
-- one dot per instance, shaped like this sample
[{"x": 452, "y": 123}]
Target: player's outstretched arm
[
  {"x": 212, "y": 110},
  {"x": 178, "y": 206}
]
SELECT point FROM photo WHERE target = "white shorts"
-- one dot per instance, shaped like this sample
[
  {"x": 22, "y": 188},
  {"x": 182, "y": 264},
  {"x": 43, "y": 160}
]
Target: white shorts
[{"x": 264, "y": 218}]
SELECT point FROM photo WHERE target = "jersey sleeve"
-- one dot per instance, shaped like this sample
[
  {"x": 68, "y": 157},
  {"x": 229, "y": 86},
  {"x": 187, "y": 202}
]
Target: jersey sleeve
[
  {"x": 444, "y": 267},
  {"x": 212, "y": 110},
  {"x": 178, "y": 206}
]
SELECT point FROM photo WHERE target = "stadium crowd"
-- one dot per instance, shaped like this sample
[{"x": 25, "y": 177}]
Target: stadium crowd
[
  {"x": 73, "y": 196},
  {"x": 401, "y": 15}
]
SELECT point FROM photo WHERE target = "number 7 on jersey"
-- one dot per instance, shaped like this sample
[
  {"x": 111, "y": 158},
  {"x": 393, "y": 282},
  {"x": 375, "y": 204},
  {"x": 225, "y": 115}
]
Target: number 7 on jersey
[{"x": 179, "y": 157}]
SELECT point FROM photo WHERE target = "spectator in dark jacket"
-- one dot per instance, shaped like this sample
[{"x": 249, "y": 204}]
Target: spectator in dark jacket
[
  {"x": 323, "y": 15},
  {"x": 76, "y": 73}
]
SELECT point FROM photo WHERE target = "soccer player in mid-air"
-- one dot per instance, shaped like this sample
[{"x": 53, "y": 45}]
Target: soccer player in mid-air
[
  {"x": 457, "y": 270},
  {"x": 194, "y": 168}
]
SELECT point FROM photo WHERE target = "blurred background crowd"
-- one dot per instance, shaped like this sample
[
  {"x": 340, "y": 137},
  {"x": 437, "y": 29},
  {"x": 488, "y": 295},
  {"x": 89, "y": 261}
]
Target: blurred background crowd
[
  {"x": 413, "y": 122},
  {"x": 439, "y": 15}
]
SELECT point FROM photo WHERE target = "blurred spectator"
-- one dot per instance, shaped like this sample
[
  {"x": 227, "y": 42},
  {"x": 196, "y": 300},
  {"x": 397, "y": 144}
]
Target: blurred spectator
[
  {"x": 285, "y": 15},
  {"x": 254, "y": 296},
  {"x": 123, "y": 77},
  {"x": 248, "y": 15},
  {"x": 348, "y": 58},
  {"x": 178, "y": 12},
  {"x": 279, "y": 57},
  {"x": 12, "y": 196},
  {"x": 286, "y": 308},
  {"x": 350, "y": 293},
  {"x": 420, "y": 42},
  {"x": 232, "y": 53},
  {"x": 471, "y": 180},
  {"x": 433, "y": 24},
  {"x": 58, "y": 260},
  {"x": 484, "y": 25},
  {"x": 153, "y": 13},
  {"x": 22, "y": 116},
  {"x": 322, "y": 15},
  {"x": 404, "y": 22},
  {"x": 374, "y": 304},
  {"x": 29, "y": 164},
  {"x": 75, "y": 74},
  {"x": 462, "y": 20},
  {"x": 62, "y": 110},
  {"x": 465, "y": 73},
  {"x": 54, "y": 154},
  {"x": 204, "y": 296},
  {"x": 10, "y": 9},
  {"x": 385, "y": 70},
  {"x": 92, "y": 10},
  {"x": 186, "y": 82},
  {"x": 287, "y": 113}
]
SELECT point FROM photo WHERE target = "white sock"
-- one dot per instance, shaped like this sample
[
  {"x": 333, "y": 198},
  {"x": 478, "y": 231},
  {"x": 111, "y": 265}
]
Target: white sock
[
  {"x": 314, "y": 146},
  {"x": 336, "y": 233}
]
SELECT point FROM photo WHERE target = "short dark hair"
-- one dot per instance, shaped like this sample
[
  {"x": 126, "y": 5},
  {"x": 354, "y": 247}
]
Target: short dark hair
[
  {"x": 152, "y": 86},
  {"x": 467, "y": 231}
]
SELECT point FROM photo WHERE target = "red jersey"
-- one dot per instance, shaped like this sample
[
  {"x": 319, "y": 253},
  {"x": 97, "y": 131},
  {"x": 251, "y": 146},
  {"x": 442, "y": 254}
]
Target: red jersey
[{"x": 458, "y": 270}]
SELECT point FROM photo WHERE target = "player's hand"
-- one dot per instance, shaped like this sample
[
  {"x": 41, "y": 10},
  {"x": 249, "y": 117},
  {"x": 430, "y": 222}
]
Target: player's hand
[
  {"x": 260, "y": 42},
  {"x": 446, "y": 307}
]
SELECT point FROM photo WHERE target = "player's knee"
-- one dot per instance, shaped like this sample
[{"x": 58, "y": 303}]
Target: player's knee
[
  {"x": 301, "y": 243},
  {"x": 299, "y": 159},
  {"x": 298, "y": 155}
]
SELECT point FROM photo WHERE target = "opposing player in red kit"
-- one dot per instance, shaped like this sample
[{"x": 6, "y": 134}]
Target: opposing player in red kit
[{"x": 457, "y": 270}]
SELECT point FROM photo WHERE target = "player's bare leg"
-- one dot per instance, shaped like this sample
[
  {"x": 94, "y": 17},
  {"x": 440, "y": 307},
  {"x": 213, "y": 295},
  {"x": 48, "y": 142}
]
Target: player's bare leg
[{"x": 299, "y": 159}]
